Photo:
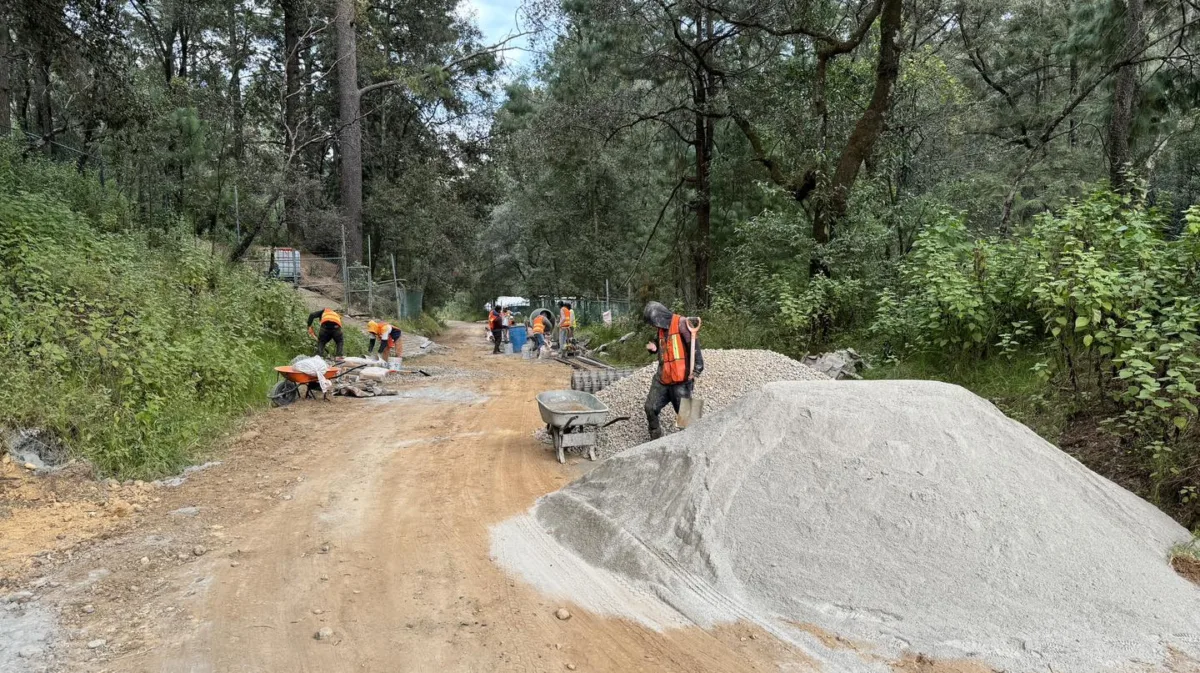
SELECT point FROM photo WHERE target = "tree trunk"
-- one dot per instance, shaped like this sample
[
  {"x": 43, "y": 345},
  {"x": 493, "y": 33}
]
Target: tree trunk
[
  {"x": 291, "y": 102},
  {"x": 5, "y": 78},
  {"x": 1125, "y": 83},
  {"x": 45, "y": 113},
  {"x": 235, "y": 84},
  {"x": 350, "y": 134},
  {"x": 868, "y": 128}
]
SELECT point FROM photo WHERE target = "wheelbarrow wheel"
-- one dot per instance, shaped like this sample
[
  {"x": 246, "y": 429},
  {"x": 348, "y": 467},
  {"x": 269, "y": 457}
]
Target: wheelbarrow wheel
[{"x": 284, "y": 393}]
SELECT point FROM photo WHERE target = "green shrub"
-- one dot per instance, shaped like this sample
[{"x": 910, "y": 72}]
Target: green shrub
[{"x": 132, "y": 354}]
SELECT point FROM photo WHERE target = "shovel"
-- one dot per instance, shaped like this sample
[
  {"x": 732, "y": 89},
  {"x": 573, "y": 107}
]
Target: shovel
[{"x": 691, "y": 409}]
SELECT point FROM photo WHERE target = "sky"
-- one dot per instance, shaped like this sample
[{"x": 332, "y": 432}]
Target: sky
[{"x": 498, "y": 20}]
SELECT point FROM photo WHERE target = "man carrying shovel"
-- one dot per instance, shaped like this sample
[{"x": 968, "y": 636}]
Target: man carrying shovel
[{"x": 680, "y": 361}]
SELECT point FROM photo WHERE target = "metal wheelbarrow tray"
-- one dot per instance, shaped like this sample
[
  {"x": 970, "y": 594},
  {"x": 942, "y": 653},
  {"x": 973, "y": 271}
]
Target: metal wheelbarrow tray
[{"x": 574, "y": 418}]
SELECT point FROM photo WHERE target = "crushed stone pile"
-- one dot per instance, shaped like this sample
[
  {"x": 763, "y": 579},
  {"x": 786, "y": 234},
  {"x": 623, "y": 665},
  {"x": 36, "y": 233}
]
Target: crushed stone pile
[
  {"x": 728, "y": 374},
  {"x": 907, "y": 518}
]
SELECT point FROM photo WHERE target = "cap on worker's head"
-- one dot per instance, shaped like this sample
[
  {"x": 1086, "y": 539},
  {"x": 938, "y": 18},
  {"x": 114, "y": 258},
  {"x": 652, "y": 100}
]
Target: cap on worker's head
[
  {"x": 658, "y": 315},
  {"x": 372, "y": 326}
]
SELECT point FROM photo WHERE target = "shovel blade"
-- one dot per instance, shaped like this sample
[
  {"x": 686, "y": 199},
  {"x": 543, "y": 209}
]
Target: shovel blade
[{"x": 691, "y": 409}]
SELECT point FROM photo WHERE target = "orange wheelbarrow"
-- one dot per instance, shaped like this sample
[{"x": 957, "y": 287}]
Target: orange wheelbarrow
[{"x": 287, "y": 391}]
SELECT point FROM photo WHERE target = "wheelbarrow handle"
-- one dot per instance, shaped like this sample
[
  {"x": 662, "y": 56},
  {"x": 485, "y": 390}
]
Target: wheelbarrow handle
[
  {"x": 615, "y": 420},
  {"x": 567, "y": 425}
]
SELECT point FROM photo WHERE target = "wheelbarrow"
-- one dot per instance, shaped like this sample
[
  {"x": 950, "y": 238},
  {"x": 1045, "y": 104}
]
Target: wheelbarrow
[
  {"x": 287, "y": 391},
  {"x": 574, "y": 419}
]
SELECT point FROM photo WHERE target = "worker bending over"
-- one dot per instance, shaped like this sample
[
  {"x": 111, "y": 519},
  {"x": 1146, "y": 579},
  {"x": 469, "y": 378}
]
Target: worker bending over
[
  {"x": 330, "y": 330},
  {"x": 566, "y": 324},
  {"x": 539, "y": 333},
  {"x": 673, "y": 381},
  {"x": 389, "y": 338}
]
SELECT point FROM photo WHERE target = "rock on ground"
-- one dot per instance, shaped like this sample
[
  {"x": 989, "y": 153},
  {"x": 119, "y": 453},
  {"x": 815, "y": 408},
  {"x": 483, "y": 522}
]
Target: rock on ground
[
  {"x": 728, "y": 374},
  {"x": 912, "y": 517}
]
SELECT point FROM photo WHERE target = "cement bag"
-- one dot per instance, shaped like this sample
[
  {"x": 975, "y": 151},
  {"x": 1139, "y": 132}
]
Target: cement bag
[
  {"x": 315, "y": 366},
  {"x": 373, "y": 373}
]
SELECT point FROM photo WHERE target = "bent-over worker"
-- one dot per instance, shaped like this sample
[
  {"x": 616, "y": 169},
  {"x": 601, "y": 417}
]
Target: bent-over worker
[
  {"x": 389, "y": 337},
  {"x": 539, "y": 333},
  {"x": 673, "y": 381},
  {"x": 330, "y": 330}
]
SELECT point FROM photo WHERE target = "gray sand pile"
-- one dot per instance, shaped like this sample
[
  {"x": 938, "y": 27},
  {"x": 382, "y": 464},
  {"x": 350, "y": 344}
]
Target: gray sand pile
[
  {"x": 907, "y": 517},
  {"x": 728, "y": 374}
]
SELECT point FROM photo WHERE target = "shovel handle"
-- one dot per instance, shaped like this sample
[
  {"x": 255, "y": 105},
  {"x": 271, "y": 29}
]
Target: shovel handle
[{"x": 693, "y": 330}]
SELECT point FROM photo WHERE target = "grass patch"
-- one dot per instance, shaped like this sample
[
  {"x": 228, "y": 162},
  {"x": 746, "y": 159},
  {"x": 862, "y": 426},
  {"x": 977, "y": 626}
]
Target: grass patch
[{"x": 1185, "y": 559}]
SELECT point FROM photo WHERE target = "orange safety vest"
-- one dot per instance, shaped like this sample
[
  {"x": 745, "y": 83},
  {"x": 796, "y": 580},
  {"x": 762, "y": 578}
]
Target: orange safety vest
[
  {"x": 493, "y": 321},
  {"x": 674, "y": 357},
  {"x": 568, "y": 320},
  {"x": 382, "y": 330},
  {"x": 331, "y": 316},
  {"x": 539, "y": 325}
]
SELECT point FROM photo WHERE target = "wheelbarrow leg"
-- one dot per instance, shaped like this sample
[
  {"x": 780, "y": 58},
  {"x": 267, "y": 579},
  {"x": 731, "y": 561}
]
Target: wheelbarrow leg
[{"x": 558, "y": 445}]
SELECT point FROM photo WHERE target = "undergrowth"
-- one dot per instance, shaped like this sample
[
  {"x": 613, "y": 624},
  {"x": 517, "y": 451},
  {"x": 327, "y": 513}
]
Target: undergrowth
[{"x": 132, "y": 347}]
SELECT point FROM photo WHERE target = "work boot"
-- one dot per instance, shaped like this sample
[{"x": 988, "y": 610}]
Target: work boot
[{"x": 656, "y": 433}]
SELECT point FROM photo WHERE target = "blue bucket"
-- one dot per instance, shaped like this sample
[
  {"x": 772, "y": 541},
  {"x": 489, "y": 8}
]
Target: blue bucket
[{"x": 516, "y": 334}]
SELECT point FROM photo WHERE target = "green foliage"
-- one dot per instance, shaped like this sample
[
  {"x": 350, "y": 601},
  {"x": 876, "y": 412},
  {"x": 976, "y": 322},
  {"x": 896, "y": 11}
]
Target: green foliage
[
  {"x": 131, "y": 353},
  {"x": 956, "y": 292},
  {"x": 1100, "y": 287}
]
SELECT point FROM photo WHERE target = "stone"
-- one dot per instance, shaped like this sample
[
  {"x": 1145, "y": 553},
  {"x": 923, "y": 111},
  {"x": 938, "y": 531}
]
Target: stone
[
  {"x": 88, "y": 609},
  {"x": 97, "y": 643},
  {"x": 198, "y": 550},
  {"x": 186, "y": 511},
  {"x": 563, "y": 614},
  {"x": 324, "y": 633}
]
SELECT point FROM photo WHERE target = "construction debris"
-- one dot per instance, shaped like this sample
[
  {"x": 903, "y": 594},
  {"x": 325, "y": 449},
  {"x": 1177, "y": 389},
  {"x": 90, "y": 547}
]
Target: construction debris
[
  {"x": 728, "y": 374},
  {"x": 843, "y": 364},
  {"x": 911, "y": 518}
]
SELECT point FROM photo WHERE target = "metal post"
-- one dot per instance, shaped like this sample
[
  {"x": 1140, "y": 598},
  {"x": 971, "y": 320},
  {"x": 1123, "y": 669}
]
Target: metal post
[
  {"x": 345, "y": 274},
  {"x": 370, "y": 281},
  {"x": 396, "y": 289},
  {"x": 607, "y": 304}
]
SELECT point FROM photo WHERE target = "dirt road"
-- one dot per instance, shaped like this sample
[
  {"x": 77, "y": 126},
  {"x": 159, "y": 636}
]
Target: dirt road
[{"x": 369, "y": 518}]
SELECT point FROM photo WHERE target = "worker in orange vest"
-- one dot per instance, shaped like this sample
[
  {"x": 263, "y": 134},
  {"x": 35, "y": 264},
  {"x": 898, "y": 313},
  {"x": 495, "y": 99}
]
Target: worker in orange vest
[
  {"x": 566, "y": 324},
  {"x": 674, "y": 379},
  {"x": 330, "y": 323},
  {"x": 495, "y": 324},
  {"x": 389, "y": 338},
  {"x": 539, "y": 333}
]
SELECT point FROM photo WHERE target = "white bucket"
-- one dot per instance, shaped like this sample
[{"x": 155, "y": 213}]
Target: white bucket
[{"x": 395, "y": 364}]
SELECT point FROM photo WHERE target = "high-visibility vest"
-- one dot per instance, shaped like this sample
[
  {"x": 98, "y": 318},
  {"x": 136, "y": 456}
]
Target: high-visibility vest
[
  {"x": 567, "y": 318},
  {"x": 674, "y": 357},
  {"x": 539, "y": 325},
  {"x": 331, "y": 316},
  {"x": 382, "y": 330},
  {"x": 493, "y": 321}
]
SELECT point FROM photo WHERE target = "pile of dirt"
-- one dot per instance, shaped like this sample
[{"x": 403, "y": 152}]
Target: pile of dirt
[
  {"x": 728, "y": 374},
  {"x": 909, "y": 518}
]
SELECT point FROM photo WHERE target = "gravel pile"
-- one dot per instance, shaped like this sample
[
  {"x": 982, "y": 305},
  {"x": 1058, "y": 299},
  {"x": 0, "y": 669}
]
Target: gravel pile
[
  {"x": 910, "y": 517},
  {"x": 728, "y": 374}
]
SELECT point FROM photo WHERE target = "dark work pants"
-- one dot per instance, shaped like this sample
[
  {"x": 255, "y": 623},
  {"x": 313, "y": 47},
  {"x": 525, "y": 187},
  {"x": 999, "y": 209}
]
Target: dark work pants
[
  {"x": 496, "y": 340},
  {"x": 330, "y": 331},
  {"x": 659, "y": 396}
]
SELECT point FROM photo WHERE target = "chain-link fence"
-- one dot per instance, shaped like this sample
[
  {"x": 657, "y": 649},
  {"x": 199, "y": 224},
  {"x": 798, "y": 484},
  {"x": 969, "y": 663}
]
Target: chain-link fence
[{"x": 587, "y": 310}]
